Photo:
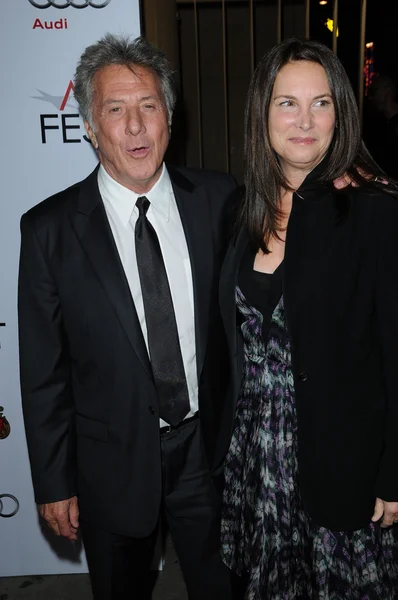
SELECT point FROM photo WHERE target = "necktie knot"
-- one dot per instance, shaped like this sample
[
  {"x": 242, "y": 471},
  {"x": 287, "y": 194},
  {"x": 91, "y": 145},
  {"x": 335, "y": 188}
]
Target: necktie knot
[{"x": 142, "y": 204}]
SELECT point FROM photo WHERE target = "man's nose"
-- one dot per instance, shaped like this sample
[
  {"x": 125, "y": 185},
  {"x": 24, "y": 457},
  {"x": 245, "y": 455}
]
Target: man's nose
[{"x": 135, "y": 123}]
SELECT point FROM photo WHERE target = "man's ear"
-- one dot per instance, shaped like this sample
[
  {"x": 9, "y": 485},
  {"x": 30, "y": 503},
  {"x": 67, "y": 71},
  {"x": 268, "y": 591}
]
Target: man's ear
[{"x": 91, "y": 134}]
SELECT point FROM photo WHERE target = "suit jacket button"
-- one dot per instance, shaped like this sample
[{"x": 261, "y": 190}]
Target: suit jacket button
[
  {"x": 303, "y": 376},
  {"x": 151, "y": 410}
]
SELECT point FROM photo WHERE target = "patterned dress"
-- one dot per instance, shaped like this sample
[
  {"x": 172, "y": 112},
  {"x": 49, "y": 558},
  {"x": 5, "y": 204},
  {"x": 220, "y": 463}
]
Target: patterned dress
[{"x": 266, "y": 535}]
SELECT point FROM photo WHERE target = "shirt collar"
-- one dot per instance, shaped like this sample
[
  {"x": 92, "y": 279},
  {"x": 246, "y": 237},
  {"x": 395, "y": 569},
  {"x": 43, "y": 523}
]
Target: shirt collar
[{"x": 123, "y": 200}]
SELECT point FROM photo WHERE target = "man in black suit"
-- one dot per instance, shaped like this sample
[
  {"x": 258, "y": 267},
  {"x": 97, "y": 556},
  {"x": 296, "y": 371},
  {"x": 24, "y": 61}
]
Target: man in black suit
[{"x": 120, "y": 337}]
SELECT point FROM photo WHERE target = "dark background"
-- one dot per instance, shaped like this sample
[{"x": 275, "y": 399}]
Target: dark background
[{"x": 215, "y": 45}]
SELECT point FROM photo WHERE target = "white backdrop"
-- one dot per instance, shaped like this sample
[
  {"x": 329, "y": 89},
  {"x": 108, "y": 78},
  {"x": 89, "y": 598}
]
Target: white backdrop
[{"x": 42, "y": 151}]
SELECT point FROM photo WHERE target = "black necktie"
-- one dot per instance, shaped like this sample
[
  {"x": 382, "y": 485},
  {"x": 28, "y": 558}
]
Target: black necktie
[{"x": 163, "y": 341}]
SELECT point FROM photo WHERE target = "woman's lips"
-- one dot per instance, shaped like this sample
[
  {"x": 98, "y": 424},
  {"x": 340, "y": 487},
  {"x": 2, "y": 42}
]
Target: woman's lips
[{"x": 302, "y": 141}]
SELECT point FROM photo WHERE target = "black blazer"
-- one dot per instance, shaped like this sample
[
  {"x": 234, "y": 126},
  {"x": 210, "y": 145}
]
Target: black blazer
[
  {"x": 341, "y": 301},
  {"x": 89, "y": 400}
]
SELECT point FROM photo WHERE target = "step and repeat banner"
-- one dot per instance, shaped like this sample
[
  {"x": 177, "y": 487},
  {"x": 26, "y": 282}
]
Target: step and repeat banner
[{"x": 43, "y": 149}]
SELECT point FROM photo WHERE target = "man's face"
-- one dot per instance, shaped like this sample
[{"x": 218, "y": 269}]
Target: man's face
[{"x": 131, "y": 131}]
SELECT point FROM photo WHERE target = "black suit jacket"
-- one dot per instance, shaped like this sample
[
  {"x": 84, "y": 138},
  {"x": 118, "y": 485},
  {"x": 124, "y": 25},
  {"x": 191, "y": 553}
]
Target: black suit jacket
[
  {"x": 89, "y": 400},
  {"x": 341, "y": 300}
]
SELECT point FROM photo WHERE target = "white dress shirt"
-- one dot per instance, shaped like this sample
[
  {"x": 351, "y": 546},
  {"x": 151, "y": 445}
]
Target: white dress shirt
[{"x": 163, "y": 215}]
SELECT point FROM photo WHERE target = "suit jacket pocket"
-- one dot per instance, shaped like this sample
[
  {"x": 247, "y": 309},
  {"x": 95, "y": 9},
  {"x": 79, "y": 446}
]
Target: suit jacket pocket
[{"x": 92, "y": 429}]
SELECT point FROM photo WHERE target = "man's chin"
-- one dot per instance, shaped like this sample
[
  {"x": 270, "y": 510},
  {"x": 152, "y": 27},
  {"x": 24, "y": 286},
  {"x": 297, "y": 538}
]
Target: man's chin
[{"x": 142, "y": 182}]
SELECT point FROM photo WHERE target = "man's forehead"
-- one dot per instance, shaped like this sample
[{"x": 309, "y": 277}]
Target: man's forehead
[
  {"x": 129, "y": 80},
  {"x": 126, "y": 73}
]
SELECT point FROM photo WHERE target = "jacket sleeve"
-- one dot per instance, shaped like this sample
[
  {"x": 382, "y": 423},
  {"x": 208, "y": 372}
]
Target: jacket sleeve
[
  {"x": 45, "y": 374},
  {"x": 387, "y": 318}
]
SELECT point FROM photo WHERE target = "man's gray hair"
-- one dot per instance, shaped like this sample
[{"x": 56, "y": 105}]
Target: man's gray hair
[{"x": 122, "y": 50}]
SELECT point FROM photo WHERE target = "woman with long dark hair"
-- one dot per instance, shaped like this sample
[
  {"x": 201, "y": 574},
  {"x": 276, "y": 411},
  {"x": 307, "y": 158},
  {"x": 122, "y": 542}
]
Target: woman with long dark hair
[{"x": 309, "y": 297}]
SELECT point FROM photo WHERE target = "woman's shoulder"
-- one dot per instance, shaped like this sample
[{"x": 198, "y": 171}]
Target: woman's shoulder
[
  {"x": 375, "y": 210},
  {"x": 376, "y": 198}
]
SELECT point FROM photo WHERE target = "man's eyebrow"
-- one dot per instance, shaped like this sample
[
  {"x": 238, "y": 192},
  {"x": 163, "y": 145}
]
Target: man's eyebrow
[
  {"x": 151, "y": 97},
  {"x": 123, "y": 101},
  {"x": 114, "y": 101}
]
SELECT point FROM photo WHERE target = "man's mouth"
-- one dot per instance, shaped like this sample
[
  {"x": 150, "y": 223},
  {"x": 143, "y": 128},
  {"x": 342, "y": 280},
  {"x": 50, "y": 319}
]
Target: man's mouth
[{"x": 138, "y": 151}]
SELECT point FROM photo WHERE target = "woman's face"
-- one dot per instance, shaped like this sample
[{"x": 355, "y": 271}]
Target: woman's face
[{"x": 301, "y": 117}]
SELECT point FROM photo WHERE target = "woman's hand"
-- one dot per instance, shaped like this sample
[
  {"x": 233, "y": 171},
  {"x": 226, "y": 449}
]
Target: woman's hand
[{"x": 387, "y": 510}]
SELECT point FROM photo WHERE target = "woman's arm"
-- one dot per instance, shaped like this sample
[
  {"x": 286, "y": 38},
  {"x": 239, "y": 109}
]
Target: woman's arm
[{"x": 387, "y": 316}]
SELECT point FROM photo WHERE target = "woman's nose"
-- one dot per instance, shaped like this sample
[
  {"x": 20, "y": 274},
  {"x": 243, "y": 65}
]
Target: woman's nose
[{"x": 304, "y": 120}]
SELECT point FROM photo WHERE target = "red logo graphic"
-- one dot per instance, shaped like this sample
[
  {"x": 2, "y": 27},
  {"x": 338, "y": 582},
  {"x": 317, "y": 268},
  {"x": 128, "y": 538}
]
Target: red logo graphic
[
  {"x": 69, "y": 89},
  {"x": 59, "y": 102},
  {"x": 4, "y": 425},
  {"x": 65, "y": 122}
]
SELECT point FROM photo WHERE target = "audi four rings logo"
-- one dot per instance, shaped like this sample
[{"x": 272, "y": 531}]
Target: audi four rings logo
[
  {"x": 66, "y": 3},
  {"x": 10, "y": 507}
]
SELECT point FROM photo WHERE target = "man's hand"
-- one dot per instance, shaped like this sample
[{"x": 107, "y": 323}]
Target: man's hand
[
  {"x": 387, "y": 510},
  {"x": 345, "y": 180},
  {"x": 62, "y": 517}
]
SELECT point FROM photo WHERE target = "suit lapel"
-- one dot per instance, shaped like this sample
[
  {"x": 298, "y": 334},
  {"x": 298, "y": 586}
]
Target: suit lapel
[
  {"x": 95, "y": 235},
  {"x": 193, "y": 207}
]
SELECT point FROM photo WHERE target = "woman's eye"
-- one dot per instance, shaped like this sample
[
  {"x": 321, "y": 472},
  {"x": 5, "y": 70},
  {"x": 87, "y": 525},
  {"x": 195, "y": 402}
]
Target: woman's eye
[{"x": 323, "y": 103}]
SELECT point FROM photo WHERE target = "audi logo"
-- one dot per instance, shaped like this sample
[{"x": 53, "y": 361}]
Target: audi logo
[
  {"x": 7, "y": 511},
  {"x": 66, "y": 3}
]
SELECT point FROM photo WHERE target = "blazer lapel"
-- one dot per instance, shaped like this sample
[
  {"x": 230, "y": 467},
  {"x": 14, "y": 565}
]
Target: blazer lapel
[
  {"x": 228, "y": 282},
  {"x": 305, "y": 254},
  {"x": 193, "y": 206},
  {"x": 95, "y": 235}
]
